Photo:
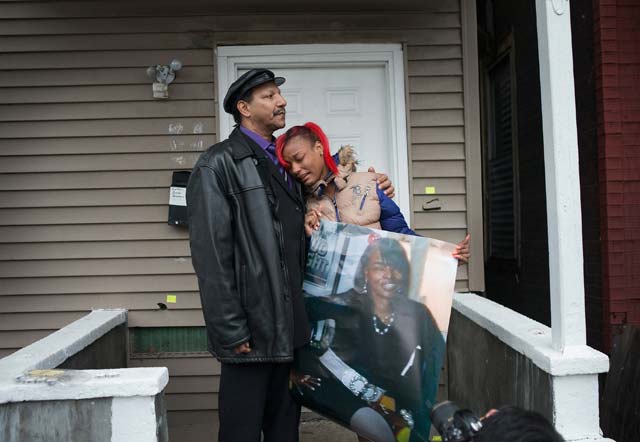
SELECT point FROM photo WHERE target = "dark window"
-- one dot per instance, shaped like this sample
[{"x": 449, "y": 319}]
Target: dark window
[{"x": 500, "y": 166}]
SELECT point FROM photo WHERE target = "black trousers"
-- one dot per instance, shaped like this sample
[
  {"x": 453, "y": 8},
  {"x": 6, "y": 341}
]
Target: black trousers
[{"x": 255, "y": 399}]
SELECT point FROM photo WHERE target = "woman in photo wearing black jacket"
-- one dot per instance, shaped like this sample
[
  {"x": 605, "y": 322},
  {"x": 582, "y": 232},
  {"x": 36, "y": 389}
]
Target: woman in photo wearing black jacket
[{"x": 377, "y": 355}]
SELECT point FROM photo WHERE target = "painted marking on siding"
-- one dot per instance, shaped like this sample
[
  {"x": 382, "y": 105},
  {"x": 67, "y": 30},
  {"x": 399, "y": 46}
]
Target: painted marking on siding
[
  {"x": 176, "y": 128},
  {"x": 176, "y": 144}
]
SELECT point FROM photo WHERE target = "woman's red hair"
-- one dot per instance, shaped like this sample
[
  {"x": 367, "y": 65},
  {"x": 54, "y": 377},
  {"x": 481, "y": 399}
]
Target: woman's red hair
[{"x": 311, "y": 132}]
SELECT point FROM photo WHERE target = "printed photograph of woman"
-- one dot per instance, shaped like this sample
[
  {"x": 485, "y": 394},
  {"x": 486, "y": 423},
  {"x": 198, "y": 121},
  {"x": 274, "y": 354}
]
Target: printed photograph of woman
[{"x": 375, "y": 355}]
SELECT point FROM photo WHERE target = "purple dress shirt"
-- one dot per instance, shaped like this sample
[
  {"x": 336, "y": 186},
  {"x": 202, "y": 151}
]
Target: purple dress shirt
[{"x": 269, "y": 148}]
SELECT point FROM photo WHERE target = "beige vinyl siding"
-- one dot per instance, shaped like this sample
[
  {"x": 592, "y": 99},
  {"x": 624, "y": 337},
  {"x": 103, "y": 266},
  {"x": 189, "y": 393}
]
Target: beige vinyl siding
[
  {"x": 435, "y": 101},
  {"x": 86, "y": 157},
  {"x": 86, "y": 154}
]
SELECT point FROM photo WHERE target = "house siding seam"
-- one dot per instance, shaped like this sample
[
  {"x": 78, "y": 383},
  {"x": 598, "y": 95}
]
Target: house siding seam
[{"x": 617, "y": 62}]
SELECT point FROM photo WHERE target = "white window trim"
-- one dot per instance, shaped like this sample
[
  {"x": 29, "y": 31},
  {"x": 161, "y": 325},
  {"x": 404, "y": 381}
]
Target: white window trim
[{"x": 230, "y": 59}]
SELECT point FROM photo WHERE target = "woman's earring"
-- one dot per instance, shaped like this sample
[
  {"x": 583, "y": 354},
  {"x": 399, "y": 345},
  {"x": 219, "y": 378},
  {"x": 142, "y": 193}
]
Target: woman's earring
[{"x": 364, "y": 287}]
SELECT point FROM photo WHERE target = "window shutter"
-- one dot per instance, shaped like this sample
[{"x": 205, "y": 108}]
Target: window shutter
[{"x": 502, "y": 232}]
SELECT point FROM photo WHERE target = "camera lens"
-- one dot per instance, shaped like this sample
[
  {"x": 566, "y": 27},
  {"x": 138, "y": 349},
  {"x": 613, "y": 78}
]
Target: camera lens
[{"x": 442, "y": 416}]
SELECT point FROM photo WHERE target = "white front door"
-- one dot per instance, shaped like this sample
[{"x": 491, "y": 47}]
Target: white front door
[
  {"x": 354, "y": 102},
  {"x": 348, "y": 103}
]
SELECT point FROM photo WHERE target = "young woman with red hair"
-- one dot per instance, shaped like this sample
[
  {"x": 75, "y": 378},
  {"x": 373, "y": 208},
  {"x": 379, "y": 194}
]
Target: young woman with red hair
[{"x": 336, "y": 191}]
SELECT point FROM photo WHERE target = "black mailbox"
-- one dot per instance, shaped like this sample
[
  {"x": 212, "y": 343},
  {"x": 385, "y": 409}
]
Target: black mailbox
[{"x": 178, "y": 198}]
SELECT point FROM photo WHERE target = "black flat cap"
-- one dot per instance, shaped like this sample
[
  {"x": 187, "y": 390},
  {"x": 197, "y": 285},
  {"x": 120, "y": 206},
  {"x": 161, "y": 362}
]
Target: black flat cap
[{"x": 246, "y": 82}]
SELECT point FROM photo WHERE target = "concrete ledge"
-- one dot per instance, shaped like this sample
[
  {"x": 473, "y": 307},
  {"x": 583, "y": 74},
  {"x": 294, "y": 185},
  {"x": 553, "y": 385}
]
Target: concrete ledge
[
  {"x": 529, "y": 337},
  {"x": 38, "y": 400},
  {"x": 54, "y": 349},
  {"x": 87, "y": 384}
]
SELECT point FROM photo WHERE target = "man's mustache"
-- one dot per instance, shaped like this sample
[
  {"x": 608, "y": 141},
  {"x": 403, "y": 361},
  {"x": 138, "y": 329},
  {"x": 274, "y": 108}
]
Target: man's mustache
[{"x": 279, "y": 112}]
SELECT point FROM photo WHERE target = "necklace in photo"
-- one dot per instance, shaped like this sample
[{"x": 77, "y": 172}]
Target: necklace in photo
[{"x": 385, "y": 329}]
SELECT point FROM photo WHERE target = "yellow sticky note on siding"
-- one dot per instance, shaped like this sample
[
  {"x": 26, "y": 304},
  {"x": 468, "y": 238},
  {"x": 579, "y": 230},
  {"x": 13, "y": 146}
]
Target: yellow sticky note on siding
[
  {"x": 171, "y": 299},
  {"x": 430, "y": 190}
]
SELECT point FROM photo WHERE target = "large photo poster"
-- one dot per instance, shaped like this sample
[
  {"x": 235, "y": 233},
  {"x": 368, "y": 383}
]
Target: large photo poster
[{"x": 379, "y": 305}]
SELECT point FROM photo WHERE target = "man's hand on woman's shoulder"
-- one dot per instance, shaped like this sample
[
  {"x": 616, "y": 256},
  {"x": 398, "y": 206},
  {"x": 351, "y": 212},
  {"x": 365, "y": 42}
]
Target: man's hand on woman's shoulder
[{"x": 384, "y": 183}]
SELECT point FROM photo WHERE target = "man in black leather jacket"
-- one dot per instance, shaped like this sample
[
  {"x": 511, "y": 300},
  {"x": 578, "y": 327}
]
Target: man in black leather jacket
[{"x": 246, "y": 226}]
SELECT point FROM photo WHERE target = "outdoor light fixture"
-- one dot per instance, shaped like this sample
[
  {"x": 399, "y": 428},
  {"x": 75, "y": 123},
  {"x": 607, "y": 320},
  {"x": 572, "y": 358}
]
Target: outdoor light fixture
[{"x": 163, "y": 76}]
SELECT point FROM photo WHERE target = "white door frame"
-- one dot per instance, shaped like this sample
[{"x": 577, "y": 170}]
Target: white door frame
[{"x": 230, "y": 59}]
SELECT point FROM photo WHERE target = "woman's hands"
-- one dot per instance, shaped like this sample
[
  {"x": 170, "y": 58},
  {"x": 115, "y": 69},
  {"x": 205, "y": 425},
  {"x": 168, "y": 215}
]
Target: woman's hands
[
  {"x": 304, "y": 380},
  {"x": 311, "y": 221},
  {"x": 463, "y": 250}
]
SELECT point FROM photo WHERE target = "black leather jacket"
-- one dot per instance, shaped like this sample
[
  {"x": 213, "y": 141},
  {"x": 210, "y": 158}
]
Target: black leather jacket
[{"x": 236, "y": 249}]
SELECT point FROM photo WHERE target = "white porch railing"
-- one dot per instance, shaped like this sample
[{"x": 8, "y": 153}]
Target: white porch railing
[
  {"x": 564, "y": 386},
  {"x": 38, "y": 402},
  {"x": 555, "y": 359},
  {"x": 566, "y": 355}
]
